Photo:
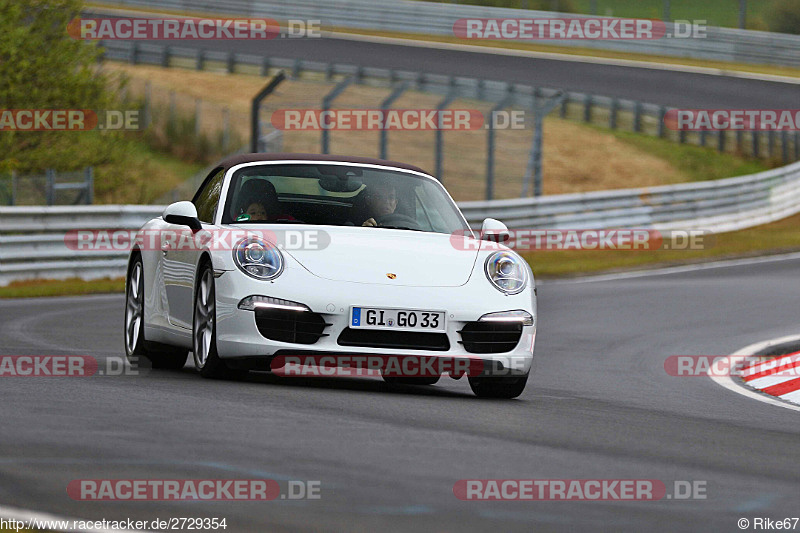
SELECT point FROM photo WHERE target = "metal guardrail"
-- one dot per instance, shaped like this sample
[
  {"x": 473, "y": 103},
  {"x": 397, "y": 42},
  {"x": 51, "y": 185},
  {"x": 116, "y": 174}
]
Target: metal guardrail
[
  {"x": 720, "y": 44},
  {"x": 32, "y": 243}
]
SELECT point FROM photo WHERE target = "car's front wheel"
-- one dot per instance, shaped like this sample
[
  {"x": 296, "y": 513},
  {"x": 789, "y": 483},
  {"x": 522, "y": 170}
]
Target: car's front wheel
[
  {"x": 136, "y": 346},
  {"x": 204, "y": 329},
  {"x": 498, "y": 387}
]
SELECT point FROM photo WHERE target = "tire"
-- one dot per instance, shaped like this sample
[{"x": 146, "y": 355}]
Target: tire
[
  {"x": 137, "y": 349},
  {"x": 394, "y": 380},
  {"x": 498, "y": 387},
  {"x": 204, "y": 329}
]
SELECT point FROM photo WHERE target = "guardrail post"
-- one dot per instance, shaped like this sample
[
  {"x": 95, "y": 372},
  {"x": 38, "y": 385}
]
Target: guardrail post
[
  {"x": 133, "y": 56},
  {"x": 328, "y": 71},
  {"x": 231, "y": 62},
  {"x": 703, "y": 136},
  {"x": 739, "y": 140},
  {"x": 612, "y": 114},
  {"x": 326, "y": 105},
  {"x": 388, "y": 101},
  {"x": 721, "y": 141},
  {"x": 199, "y": 63},
  {"x": 446, "y": 101},
  {"x": 756, "y": 144},
  {"x": 564, "y": 103},
  {"x": 296, "y": 68},
  {"x": 256, "y": 105},
  {"x": 637, "y": 117},
  {"x": 682, "y": 136},
  {"x": 265, "y": 66},
  {"x": 771, "y": 143},
  {"x": 89, "y": 173},
  {"x": 796, "y": 146},
  {"x": 490, "y": 140},
  {"x": 587, "y": 108},
  {"x": 662, "y": 113},
  {"x": 785, "y": 146},
  {"x": 165, "y": 53},
  {"x": 50, "y": 186}
]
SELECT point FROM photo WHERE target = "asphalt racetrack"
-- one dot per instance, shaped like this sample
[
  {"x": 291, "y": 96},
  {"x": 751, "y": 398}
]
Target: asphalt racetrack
[{"x": 599, "y": 406}]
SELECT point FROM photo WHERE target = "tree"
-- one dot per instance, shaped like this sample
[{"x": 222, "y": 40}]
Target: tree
[{"x": 42, "y": 67}]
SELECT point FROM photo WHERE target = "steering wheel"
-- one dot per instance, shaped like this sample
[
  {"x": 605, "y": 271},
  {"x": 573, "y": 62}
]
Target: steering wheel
[{"x": 397, "y": 219}]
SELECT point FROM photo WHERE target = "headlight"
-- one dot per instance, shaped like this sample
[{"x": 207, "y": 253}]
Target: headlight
[
  {"x": 509, "y": 317},
  {"x": 258, "y": 258},
  {"x": 506, "y": 272}
]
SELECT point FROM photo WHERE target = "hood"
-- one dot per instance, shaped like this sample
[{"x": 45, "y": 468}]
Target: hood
[{"x": 369, "y": 255}]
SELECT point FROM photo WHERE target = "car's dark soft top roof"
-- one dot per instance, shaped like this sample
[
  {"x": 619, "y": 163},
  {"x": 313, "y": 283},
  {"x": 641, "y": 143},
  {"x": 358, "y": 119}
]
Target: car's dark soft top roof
[{"x": 253, "y": 158}]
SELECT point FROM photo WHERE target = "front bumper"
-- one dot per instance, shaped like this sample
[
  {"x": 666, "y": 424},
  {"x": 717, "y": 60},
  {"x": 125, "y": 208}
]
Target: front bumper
[{"x": 238, "y": 336}]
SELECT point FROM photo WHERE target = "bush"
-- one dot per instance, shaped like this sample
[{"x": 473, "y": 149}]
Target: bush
[{"x": 784, "y": 17}]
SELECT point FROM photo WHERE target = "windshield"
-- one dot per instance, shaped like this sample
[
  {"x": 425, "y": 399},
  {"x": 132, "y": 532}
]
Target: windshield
[{"x": 339, "y": 195}]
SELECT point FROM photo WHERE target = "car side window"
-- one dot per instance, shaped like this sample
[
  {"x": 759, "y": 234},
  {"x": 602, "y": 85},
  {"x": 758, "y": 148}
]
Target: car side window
[{"x": 207, "y": 198}]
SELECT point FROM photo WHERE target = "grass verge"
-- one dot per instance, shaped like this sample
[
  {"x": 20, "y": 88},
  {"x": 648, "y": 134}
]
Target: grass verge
[
  {"x": 66, "y": 287},
  {"x": 779, "y": 237}
]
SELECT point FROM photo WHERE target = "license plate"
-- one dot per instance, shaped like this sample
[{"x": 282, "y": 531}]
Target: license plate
[{"x": 397, "y": 319}]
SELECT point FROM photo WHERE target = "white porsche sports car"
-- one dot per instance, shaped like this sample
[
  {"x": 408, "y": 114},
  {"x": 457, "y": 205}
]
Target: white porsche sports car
[{"x": 283, "y": 254}]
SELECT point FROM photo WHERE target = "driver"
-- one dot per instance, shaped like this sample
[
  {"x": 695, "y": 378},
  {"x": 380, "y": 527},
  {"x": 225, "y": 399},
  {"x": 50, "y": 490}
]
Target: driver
[{"x": 381, "y": 200}]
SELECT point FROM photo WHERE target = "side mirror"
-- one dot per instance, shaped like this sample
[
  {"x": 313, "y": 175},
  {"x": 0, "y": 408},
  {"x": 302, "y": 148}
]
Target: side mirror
[
  {"x": 182, "y": 214},
  {"x": 494, "y": 230}
]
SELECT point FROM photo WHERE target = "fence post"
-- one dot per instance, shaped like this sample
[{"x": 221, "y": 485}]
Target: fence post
[
  {"x": 231, "y": 63},
  {"x": 200, "y": 60},
  {"x": 327, "y": 100},
  {"x": 703, "y": 135},
  {"x": 14, "y": 185},
  {"x": 662, "y": 113},
  {"x": 796, "y": 146},
  {"x": 534, "y": 167},
  {"x": 256, "y": 105},
  {"x": 50, "y": 186},
  {"x": 771, "y": 143},
  {"x": 388, "y": 101},
  {"x": 490, "y": 140},
  {"x": 446, "y": 101},
  {"x": 133, "y": 57},
  {"x": 165, "y": 57},
  {"x": 265, "y": 66},
  {"x": 564, "y": 104},
  {"x": 721, "y": 141}
]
